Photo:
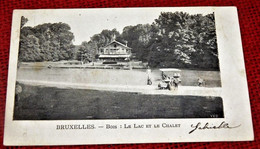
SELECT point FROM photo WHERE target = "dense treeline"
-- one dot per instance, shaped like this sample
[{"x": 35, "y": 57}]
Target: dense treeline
[
  {"x": 183, "y": 40},
  {"x": 45, "y": 42},
  {"x": 173, "y": 40}
]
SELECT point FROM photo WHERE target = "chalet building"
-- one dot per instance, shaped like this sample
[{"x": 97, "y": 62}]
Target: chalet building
[{"x": 115, "y": 51}]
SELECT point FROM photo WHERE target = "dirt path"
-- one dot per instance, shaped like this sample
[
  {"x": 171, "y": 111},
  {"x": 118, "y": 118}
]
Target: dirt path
[{"x": 144, "y": 89}]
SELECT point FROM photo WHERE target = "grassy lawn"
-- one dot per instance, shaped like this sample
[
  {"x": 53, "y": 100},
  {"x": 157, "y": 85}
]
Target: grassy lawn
[{"x": 49, "y": 103}]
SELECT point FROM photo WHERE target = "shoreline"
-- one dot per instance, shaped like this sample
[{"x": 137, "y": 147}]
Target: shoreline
[
  {"x": 60, "y": 64},
  {"x": 142, "y": 89}
]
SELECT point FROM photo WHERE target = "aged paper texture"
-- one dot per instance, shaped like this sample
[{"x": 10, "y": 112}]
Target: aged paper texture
[{"x": 126, "y": 75}]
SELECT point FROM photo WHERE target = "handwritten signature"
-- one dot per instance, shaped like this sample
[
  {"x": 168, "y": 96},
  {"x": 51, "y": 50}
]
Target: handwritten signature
[{"x": 222, "y": 125}]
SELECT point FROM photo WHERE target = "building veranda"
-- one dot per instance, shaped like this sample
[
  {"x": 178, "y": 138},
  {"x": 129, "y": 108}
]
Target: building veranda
[{"x": 115, "y": 51}]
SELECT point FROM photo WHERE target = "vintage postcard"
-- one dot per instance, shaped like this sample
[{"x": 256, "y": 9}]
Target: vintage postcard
[{"x": 126, "y": 75}]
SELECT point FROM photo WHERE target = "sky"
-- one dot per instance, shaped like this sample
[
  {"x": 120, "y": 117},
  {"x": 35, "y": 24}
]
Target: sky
[{"x": 85, "y": 23}]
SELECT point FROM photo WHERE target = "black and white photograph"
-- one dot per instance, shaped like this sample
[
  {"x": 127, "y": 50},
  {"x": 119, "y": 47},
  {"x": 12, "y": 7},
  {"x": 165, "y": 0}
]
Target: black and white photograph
[
  {"x": 118, "y": 66},
  {"x": 126, "y": 75}
]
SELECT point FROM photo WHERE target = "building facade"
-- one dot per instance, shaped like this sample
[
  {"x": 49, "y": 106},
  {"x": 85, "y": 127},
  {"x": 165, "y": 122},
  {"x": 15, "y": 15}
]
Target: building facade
[{"x": 115, "y": 51}]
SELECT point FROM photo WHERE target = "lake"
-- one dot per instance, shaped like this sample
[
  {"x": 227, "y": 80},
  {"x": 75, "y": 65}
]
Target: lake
[{"x": 113, "y": 76}]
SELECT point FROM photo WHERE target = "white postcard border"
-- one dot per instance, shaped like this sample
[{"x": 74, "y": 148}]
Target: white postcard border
[{"x": 234, "y": 93}]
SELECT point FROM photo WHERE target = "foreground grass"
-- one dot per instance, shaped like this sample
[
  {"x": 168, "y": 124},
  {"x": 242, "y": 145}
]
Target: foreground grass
[{"x": 49, "y": 103}]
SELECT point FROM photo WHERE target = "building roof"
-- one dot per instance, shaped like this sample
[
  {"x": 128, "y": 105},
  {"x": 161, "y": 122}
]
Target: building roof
[{"x": 114, "y": 41}]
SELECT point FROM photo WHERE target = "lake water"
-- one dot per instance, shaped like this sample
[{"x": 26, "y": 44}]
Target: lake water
[{"x": 113, "y": 76}]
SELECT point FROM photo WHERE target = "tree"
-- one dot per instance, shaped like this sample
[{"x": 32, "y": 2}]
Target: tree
[
  {"x": 29, "y": 49},
  {"x": 184, "y": 40},
  {"x": 46, "y": 42},
  {"x": 86, "y": 52},
  {"x": 137, "y": 38},
  {"x": 174, "y": 39},
  {"x": 23, "y": 21},
  {"x": 105, "y": 37}
]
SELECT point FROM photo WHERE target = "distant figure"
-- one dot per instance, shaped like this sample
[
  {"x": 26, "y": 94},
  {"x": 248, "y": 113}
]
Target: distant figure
[
  {"x": 200, "y": 81},
  {"x": 149, "y": 80},
  {"x": 159, "y": 85},
  {"x": 176, "y": 83},
  {"x": 164, "y": 76}
]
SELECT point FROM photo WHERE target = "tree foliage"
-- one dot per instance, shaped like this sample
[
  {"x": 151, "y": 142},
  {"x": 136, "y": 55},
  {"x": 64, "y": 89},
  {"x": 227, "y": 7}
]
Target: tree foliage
[
  {"x": 104, "y": 37},
  {"x": 138, "y": 38},
  {"x": 173, "y": 40},
  {"x": 45, "y": 42},
  {"x": 87, "y": 50},
  {"x": 184, "y": 40}
]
